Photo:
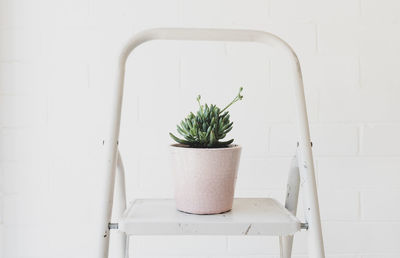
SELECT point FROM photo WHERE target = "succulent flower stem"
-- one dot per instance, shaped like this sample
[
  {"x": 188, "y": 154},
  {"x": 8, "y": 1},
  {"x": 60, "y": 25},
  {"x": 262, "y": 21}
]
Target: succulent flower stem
[
  {"x": 237, "y": 98},
  {"x": 198, "y": 101}
]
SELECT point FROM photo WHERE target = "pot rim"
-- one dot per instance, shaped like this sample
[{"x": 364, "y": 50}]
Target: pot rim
[{"x": 182, "y": 146}]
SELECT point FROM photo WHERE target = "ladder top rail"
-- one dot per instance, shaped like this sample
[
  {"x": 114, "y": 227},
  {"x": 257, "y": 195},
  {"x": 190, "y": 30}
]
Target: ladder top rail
[{"x": 200, "y": 34}]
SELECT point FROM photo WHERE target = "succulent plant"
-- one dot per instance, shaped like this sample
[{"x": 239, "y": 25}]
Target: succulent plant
[{"x": 205, "y": 129}]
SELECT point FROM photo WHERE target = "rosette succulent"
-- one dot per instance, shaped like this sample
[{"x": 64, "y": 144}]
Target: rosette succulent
[{"x": 207, "y": 127}]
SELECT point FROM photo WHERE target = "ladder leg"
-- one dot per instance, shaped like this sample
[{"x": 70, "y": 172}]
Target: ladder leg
[
  {"x": 119, "y": 245},
  {"x": 127, "y": 247},
  {"x": 285, "y": 244}
]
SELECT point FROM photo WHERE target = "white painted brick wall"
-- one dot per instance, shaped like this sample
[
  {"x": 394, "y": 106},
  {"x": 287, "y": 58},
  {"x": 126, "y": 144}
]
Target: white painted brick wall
[
  {"x": 380, "y": 140},
  {"x": 374, "y": 208},
  {"x": 55, "y": 81}
]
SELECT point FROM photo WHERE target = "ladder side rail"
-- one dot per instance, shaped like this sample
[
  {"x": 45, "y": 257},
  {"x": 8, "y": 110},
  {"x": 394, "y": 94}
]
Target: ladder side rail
[
  {"x": 293, "y": 187},
  {"x": 305, "y": 158},
  {"x": 311, "y": 207},
  {"x": 121, "y": 187},
  {"x": 291, "y": 201},
  {"x": 306, "y": 168},
  {"x": 119, "y": 242}
]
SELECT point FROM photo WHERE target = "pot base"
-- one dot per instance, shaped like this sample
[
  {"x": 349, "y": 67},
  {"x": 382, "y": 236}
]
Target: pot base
[{"x": 214, "y": 213}]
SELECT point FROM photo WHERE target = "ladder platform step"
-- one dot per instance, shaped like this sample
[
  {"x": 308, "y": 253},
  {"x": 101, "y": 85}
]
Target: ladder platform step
[{"x": 249, "y": 216}]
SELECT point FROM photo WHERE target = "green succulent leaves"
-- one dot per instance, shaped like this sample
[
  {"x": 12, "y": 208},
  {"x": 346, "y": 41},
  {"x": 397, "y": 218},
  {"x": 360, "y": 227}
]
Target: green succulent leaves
[{"x": 207, "y": 127}]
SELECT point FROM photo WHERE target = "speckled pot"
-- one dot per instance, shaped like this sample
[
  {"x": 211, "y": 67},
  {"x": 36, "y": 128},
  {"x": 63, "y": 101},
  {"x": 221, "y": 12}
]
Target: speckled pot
[{"x": 205, "y": 178}]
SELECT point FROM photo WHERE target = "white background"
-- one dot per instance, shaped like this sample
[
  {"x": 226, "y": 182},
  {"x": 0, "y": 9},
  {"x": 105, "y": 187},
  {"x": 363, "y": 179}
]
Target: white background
[{"x": 56, "y": 59}]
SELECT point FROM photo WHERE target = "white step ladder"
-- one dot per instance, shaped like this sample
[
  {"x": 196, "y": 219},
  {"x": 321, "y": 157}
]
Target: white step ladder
[{"x": 260, "y": 216}]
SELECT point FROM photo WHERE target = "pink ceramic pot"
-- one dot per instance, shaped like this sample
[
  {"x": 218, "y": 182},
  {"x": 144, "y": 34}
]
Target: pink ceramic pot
[{"x": 205, "y": 178}]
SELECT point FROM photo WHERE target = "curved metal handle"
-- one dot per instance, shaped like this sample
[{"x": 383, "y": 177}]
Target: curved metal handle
[
  {"x": 305, "y": 159},
  {"x": 227, "y": 35},
  {"x": 203, "y": 35}
]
